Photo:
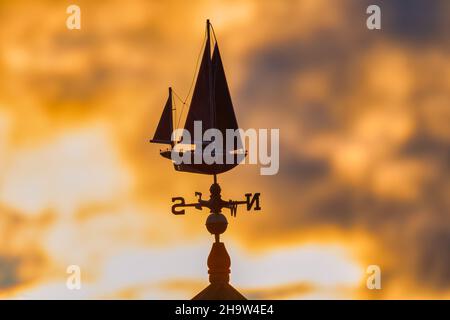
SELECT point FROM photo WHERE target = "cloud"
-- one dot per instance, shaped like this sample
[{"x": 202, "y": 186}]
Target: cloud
[
  {"x": 8, "y": 271},
  {"x": 384, "y": 167},
  {"x": 363, "y": 118}
]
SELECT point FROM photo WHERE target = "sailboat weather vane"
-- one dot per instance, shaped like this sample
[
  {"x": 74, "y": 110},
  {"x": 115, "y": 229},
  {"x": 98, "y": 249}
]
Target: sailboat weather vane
[{"x": 210, "y": 108}]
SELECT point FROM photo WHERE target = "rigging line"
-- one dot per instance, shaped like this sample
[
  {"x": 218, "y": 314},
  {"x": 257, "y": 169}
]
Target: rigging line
[
  {"x": 182, "y": 108},
  {"x": 174, "y": 105},
  {"x": 193, "y": 80},
  {"x": 174, "y": 138},
  {"x": 214, "y": 33},
  {"x": 177, "y": 96}
]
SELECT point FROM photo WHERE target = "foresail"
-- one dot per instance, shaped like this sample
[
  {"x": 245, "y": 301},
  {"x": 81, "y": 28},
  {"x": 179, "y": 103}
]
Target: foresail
[
  {"x": 200, "y": 108},
  {"x": 165, "y": 127},
  {"x": 224, "y": 112}
]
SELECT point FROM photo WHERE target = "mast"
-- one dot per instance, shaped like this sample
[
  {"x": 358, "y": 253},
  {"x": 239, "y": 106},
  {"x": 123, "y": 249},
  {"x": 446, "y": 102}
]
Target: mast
[
  {"x": 172, "y": 120},
  {"x": 211, "y": 90}
]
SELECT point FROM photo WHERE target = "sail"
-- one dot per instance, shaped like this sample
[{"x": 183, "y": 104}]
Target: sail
[
  {"x": 211, "y": 101},
  {"x": 200, "y": 108},
  {"x": 224, "y": 112},
  {"x": 165, "y": 127}
]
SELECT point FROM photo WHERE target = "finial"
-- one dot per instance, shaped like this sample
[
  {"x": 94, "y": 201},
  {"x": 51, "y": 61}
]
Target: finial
[{"x": 219, "y": 264}]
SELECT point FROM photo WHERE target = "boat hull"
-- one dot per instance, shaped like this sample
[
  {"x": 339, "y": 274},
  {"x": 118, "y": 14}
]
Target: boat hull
[{"x": 203, "y": 168}]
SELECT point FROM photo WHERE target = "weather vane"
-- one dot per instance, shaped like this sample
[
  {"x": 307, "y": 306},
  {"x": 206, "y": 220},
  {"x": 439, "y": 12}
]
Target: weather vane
[{"x": 212, "y": 108}]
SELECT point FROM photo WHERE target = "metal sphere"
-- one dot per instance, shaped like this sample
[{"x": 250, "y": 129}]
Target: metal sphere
[
  {"x": 216, "y": 223},
  {"x": 215, "y": 189}
]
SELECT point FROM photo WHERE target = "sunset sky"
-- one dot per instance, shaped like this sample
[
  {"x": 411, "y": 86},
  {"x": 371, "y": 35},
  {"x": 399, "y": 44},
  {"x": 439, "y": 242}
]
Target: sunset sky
[{"x": 364, "y": 149}]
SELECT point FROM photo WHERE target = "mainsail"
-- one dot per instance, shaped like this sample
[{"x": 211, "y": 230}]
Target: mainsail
[
  {"x": 164, "y": 130},
  {"x": 211, "y": 101}
]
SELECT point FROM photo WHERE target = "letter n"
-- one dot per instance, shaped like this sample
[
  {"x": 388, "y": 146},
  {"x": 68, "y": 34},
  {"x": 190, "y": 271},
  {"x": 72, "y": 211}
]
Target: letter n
[{"x": 254, "y": 200}]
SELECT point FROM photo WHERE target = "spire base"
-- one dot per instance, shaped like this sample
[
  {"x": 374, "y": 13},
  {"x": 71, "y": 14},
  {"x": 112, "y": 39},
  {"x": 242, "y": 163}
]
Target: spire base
[{"x": 219, "y": 263}]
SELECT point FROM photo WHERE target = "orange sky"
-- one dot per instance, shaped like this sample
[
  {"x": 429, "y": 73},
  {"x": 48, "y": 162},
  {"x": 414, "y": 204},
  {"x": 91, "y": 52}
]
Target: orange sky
[{"x": 363, "y": 118}]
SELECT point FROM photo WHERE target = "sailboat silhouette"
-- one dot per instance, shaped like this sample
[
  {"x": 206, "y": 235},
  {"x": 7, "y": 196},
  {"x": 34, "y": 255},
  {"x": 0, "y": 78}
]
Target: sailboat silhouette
[{"x": 211, "y": 104}]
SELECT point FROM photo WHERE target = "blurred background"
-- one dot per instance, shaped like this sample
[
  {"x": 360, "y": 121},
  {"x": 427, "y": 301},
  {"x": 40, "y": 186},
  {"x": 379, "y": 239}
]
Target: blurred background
[{"x": 364, "y": 157}]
